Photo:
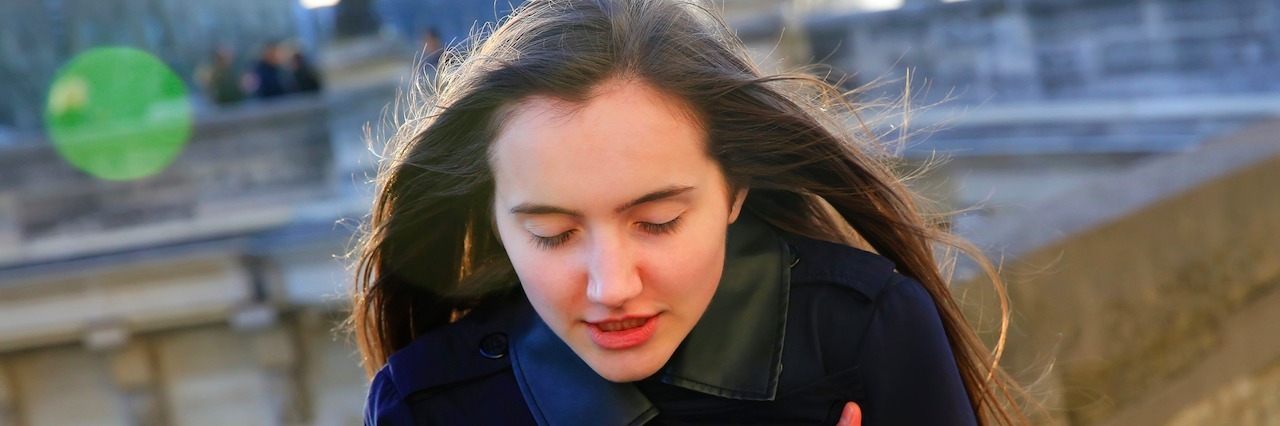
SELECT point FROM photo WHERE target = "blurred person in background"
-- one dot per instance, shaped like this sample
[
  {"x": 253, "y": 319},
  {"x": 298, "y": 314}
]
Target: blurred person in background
[
  {"x": 267, "y": 79},
  {"x": 605, "y": 211},
  {"x": 305, "y": 77},
  {"x": 219, "y": 78},
  {"x": 432, "y": 48}
]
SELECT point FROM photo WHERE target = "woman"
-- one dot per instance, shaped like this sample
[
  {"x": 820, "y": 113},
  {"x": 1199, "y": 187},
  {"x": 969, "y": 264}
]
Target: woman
[{"x": 606, "y": 215}]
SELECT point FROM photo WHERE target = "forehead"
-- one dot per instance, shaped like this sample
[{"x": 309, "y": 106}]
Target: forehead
[
  {"x": 626, "y": 139},
  {"x": 648, "y": 105}
]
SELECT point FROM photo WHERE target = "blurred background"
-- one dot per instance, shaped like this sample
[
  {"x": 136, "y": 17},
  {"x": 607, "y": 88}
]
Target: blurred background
[{"x": 179, "y": 181}]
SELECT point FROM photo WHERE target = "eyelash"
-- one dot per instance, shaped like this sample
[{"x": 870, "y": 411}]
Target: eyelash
[
  {"x": 661, "y": 228},
  {"x": 547, "y": 243}
]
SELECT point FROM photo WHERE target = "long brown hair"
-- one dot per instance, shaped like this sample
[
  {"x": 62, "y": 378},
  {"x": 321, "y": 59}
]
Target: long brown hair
[{"x": 428, "y": 253}]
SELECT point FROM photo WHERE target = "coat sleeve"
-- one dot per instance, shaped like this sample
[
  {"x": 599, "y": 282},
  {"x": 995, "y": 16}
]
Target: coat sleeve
[
  {"x": 384, "y": 405},
  {"x": 910, "y": 372}
]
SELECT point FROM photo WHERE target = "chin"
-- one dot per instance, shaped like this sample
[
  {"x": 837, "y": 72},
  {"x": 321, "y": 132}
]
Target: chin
[
  {"x": 626, "y": 373},
  {"x": 622, "y": 368}
]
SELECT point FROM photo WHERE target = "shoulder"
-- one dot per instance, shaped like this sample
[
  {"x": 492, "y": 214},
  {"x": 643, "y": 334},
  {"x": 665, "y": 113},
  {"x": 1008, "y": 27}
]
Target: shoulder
[
  {"x": 827, "y": 265},
  {"x": 465, "y": 354},
  {"x": 844, "y": 299},
  {"x": 385, "y": 405},
  {"x": 471, "y": 347},
  {"x": 850, "y": 291},
  {"x": 885, "y": 324},
  {"x": 845, "y": 276}
]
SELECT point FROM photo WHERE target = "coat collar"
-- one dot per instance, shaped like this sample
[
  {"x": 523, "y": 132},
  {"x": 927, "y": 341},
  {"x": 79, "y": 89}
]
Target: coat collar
[{"x": 735, "y": 350}]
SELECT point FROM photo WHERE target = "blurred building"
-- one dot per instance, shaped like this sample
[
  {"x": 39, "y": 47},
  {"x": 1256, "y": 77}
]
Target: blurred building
[
  {"x": 1122, "y": 158},
  {"x": 1036, "y": 95},
  {"x": 207, "y": 294},
  {"x": 1120, "y": 151},
  {"x": 37, "y": 37}
]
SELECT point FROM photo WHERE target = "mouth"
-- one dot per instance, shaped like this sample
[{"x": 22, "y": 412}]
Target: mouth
[{"x": 622, "y": 334}]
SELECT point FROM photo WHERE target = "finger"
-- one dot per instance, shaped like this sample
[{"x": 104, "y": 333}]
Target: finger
[{"x": 851, "y": 415}]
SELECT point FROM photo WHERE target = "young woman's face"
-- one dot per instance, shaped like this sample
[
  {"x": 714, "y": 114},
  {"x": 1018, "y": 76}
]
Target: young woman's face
[{"x": 614, "y": 218}]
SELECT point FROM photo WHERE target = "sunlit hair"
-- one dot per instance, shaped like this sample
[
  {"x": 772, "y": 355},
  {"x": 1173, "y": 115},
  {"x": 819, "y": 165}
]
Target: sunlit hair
[{"x": 428, "y": 253}]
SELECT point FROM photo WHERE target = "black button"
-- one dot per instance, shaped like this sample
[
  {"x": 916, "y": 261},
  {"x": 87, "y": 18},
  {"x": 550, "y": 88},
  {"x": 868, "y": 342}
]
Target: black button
[{"x": 494, "y": 346}]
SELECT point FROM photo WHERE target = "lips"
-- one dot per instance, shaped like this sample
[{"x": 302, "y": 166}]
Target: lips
[
  {"x": 624, "y": 333},
  {"x": 612, "y": 326}
]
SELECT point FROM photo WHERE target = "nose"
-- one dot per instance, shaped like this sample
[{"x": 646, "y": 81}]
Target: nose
[{"x": 612, "y": 276}]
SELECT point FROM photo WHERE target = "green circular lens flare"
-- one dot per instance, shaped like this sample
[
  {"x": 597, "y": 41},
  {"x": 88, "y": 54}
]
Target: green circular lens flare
[{"x": 118, "y": 113}]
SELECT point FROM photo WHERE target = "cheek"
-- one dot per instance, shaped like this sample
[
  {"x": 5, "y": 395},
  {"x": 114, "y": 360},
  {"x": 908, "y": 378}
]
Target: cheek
[
  {"x": 689, "y": 271},
  {"x": 535, "y": 268},
  {"x": 547, "y": 280}
]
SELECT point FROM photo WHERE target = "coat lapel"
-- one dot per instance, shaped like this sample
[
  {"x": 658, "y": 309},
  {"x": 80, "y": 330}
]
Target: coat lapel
[
  {"x": 561, "y": 389},
  {"x": 735, "y": 350}
]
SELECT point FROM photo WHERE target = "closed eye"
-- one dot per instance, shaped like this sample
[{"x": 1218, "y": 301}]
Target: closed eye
[
  {"x": 547, "y": 243},
  {"x": 551, "y": 242},
  {"x": 661, "y": 228}
]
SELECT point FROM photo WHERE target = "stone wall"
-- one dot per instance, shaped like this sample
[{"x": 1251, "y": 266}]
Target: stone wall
[
  {"x": 208, "y": 332},
  {"x": 247, "y": 160},
  {"x": 1152, "y": 293},
  {"x": 292, "y": 373},
  {"x": 1250, "y": 400}
]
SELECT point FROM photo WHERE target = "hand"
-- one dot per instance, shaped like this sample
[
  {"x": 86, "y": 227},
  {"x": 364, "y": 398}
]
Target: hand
[{"x": 851, "y": 415}]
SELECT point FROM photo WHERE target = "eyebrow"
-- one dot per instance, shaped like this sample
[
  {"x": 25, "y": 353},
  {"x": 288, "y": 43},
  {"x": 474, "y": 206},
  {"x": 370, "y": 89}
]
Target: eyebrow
[{"x": 668, "y": 192}]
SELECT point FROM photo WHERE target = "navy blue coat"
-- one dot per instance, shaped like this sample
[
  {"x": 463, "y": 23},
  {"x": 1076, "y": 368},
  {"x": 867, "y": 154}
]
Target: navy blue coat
[{"x": 797, "y": 328}]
